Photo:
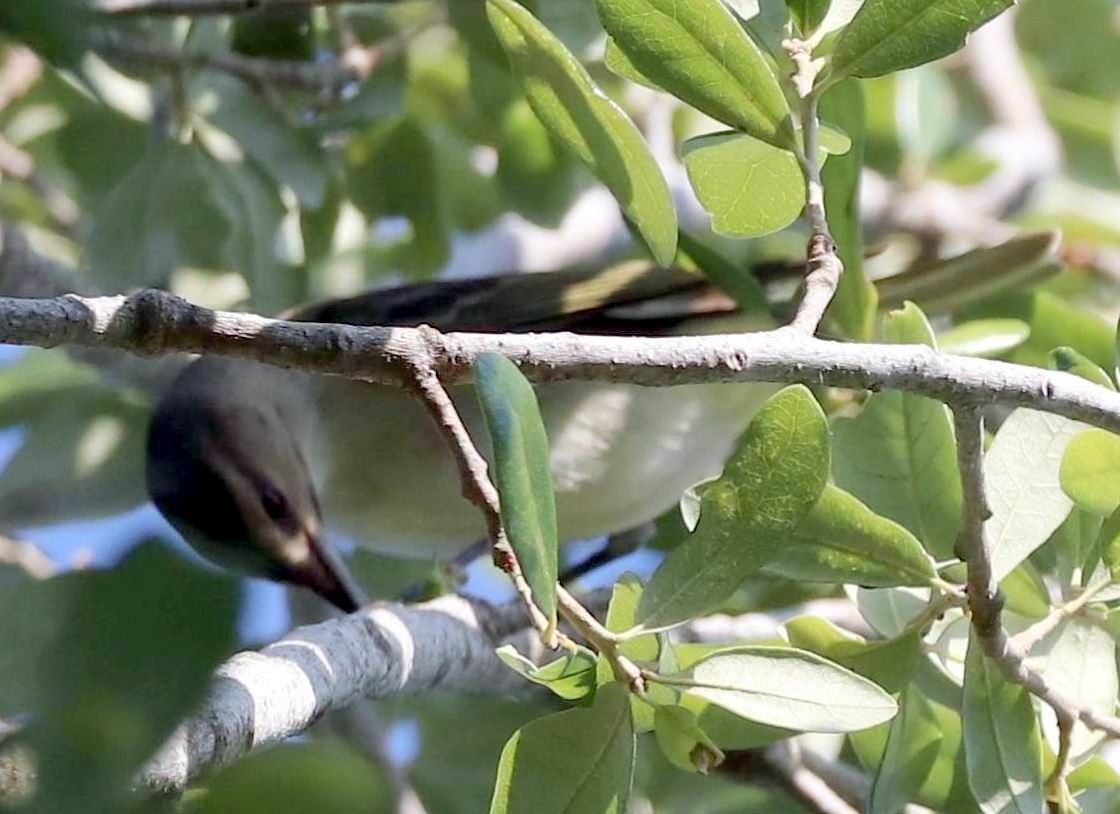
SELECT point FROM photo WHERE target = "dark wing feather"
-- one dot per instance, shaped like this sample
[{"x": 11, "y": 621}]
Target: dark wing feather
[{"x": 629, "y": 298}]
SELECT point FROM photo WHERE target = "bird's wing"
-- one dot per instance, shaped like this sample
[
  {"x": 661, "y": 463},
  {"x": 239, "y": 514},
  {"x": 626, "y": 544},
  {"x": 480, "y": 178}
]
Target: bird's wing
[{"x": 634, "y": 297}]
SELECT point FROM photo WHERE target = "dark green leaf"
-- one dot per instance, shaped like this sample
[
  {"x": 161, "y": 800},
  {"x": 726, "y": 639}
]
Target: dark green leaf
[
  {"x": 786, "y": 687},
  {"x": 392, "y": 171},
  {"x": 772, "y": 480},
  {"x": 853, "y": 309},
  {"x": 889, "y": 35},
  {"x": 521, "y": 472},
  {"x": 698, "y": 52},
  {"x": 841, "y": 540},
  {"x": 579, "y": 760},
  {"x": 899, "y": 455},
  {"x": 1003, "y": 747},
  {"x": 296, "y": 779},
  {"x": 587, "y": 122},
  {"x": 112, "y": 661},
  {"x": 808, "y": 14},
  {"x": 159, "y": 217},
  {"x": 290, "y": 155}
]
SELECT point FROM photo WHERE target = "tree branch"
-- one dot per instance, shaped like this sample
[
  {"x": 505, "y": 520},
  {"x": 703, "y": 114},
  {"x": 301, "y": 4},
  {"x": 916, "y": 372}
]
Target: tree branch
[
  {"x": 154, "y": 322},
  {"x": 196, "y": 8},
  {"x": 258, "y": 698},
  {"x": 985, "y": 601}
]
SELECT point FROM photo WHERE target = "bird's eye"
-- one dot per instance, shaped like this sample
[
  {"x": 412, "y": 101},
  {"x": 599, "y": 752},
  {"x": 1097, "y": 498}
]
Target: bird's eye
[{"x": 274, "y": 503}]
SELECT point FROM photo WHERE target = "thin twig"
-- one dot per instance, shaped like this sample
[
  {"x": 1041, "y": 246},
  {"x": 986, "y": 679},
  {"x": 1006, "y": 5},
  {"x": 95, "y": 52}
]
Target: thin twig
[
  {"x": 261, "y": 73},
  {"x": 823, "y": 268},
  {"x": 27, "y": 557},
  {"x": 984, "y": 598},
  {"x": 1026, "y": 639},
  {"x": 783, "y": 757},
  {"x": 478, "y": 488}
]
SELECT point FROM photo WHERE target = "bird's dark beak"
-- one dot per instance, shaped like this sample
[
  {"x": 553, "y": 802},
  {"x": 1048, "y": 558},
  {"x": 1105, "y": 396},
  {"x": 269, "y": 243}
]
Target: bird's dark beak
[{"x": 325, "y": 573}]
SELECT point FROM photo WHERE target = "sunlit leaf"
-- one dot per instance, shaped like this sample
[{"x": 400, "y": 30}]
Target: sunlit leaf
[
  {"x": 772, "y": 480},
  {"x": 1090, "y": 471},
  {"x": 698, "y": 52},
  {"x": 890, "y": 35},
  {"x": 984, "y": 337},
  {"x": 1021, "y": 470},
  {"x": 790, "y": 688},
  {"x": 751, "y": 188},
  {"x": 582, "y": 117}
]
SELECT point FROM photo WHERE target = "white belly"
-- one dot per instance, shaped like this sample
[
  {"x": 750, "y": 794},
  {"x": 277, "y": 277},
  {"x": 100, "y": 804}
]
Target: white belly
[{"x": 621, "y": 455}]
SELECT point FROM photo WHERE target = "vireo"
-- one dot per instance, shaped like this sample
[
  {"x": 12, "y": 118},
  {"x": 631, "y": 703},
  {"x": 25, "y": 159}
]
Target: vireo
[{"x": 256, "y": 465}]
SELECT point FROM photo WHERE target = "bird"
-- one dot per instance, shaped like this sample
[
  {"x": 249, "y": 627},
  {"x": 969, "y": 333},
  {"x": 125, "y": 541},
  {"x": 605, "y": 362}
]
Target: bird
[{"x": 260, "y": 468}]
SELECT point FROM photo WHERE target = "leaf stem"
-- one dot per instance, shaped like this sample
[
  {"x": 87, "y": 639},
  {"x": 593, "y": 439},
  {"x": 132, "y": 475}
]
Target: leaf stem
[{"x": 603, "y": 640}]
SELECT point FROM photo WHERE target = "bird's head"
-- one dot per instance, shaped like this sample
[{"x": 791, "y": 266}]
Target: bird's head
[{"x": 230, "y": 475}]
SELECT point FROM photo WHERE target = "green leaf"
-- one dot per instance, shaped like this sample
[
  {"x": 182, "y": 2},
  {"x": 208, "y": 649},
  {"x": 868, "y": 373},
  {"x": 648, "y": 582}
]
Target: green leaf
[
  {"x": 855, "y": 305},
  {"x": 1070, "y": 361},
  {"x": 911, "y": 751},
  {"x": 751, "y": 188},
  {"x": 981, "y": 273},
  {"x": 1003, "y": 747},
  {"x": 290, "y": 155},
  {"x": 622, "y": 616},
  {"x": 1109, "y": 543},
  {"x": 1090, "y": 471},
  {"x": 683, "y": 741},
  {"x": 841, "y": 540},
  {"x": 1026, "y": 593},
  {"x": 579, "y": 760},
  {"x": 1081, "y": 665},
  {"x": 985, "y": 338},
  {"x": 521, "y": 471},
  {"x": 698, "y": 52},
  {"x": 254, "y": 212},
  {"x": 735, "y": 280},
  {"x": 770, "y": 483},
  {"x": 583, "y": 118},
  {"x": 99, "y": 659},
  {"x": 899, "y": 455},
  {"x": 619, "y": 64},
  {"x": 391, "y": 170},
  {"x": 1021, "y": 470},
  {"x": 786, "y": 687},
  {"x": 158, "y": 218},
  {"x": 294, "y": 779},
  {"x": 889, "y": 35},
  {"x": 571, "y": 676},
  {"x": 808, "y": 14},
  {"x": 59, "y": 33},
  {"x": 889, "y": 663}
]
